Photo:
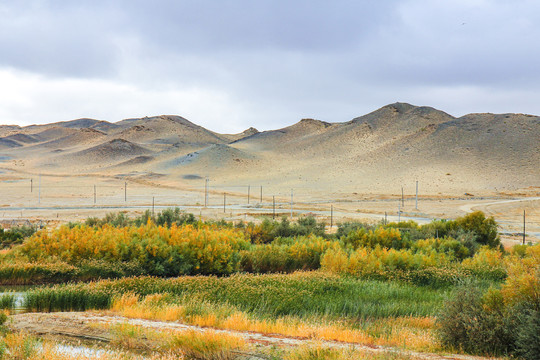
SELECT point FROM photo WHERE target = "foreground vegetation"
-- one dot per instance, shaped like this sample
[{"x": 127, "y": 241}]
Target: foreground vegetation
[{"x": 445, "y": 285}]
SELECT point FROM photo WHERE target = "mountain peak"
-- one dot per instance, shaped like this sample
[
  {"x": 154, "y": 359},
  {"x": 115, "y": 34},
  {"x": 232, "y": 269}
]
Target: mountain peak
[{"x": 399, "y": 107}]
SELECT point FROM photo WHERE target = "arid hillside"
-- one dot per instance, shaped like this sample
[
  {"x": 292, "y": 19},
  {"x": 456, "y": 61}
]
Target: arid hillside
[{"x": 377, "y": 153}]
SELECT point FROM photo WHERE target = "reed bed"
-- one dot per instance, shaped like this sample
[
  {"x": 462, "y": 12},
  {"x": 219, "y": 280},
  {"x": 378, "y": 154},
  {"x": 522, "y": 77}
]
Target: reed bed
[
  {"x": 7, "y": 301},
  {"x": 300, "y": 294}
]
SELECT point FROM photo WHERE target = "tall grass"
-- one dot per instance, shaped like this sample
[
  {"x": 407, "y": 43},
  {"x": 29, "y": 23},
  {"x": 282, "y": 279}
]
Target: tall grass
[
  {"x": 299, "y": 294},
  {"x": 31, "y": 273},
  {"x": 7, "y": 301},
  {"x": 77, "y": 297}
]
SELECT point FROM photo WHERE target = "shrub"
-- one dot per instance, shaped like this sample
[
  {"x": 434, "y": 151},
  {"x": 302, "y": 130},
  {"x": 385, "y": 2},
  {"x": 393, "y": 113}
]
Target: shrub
[
  {"x": 484, "y": 228},
  {"x": 269, "y": 230},
  {"x": 285, "y": 255},
  {"x": 502, "y": 321},
  {"x": 486, "y": 263},
  {"x": 453, "y": 248},
  {"x": 523, "y": 283},
  {"x": 389, "y": 264},
  {"x": 472, "y": 230},
  {"x": 171, "y": 216},
  {"x": 528, "y": 336},
  {"x": 15, "y": 235},
  {"x": 467, "y": 324},
  {"x": 388, "y": 238},
  {"x": 158, "y": 250},
  {"x": 345, "y": 228}
]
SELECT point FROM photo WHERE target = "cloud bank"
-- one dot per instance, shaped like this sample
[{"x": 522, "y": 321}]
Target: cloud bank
[{"x": 231, "y": 64}]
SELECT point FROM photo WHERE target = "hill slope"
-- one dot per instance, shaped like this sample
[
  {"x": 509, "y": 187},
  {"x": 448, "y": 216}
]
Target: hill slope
[{"x": 375, "y": 153}]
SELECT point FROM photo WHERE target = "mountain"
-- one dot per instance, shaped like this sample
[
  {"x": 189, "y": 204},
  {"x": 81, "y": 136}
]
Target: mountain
[{"x": 375, "y": 153}]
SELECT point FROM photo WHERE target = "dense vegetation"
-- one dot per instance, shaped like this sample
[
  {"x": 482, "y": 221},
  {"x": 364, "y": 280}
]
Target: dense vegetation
[
  {"x": 14, "y": 235},
  {"x": 503, "y": 320},
  {"x": 276, "y": 275},
  {"x": 174, "y": 243}
]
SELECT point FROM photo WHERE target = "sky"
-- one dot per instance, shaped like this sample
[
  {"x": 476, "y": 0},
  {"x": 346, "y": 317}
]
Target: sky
[{"x": 231, "y": 64}]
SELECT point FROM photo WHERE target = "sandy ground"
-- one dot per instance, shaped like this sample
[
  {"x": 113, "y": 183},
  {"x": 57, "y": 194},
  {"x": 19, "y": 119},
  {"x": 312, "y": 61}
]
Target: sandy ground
[
  {"x": 55, "y": 199},
  {"x": 85, "y": 325}
]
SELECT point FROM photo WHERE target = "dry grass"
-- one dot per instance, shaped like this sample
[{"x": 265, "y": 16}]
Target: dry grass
[
  {"x": 206, "y": 345},
  {"x": 325, "y": 353},
  {"x": 190, "y": 344},
  {"x": 408, "y": 332}
]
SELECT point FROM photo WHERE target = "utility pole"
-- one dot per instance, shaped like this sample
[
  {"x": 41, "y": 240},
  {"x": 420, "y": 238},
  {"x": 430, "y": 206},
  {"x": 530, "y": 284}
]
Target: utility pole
[
  {"x": 125, "y": 191},
  {"x": 39, "y": 192},
  {"x": 94, "y": 194},
  {"x": 206, "y": 192},
  {"x": 273, "y": 206},
  {"x": 291, "y": 203},
  {"x": 31, "y": 185},
  {"x": 523, "y": 227},
  {"x": 416, "y": 207},
  {"x": 249, "y": 189}
]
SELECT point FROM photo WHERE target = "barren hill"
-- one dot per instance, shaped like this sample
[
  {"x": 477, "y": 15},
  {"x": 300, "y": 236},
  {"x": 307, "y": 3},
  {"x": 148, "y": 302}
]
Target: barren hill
[
  {"x": 166, "y": 129},
  {"x": 374, "y": 153}
]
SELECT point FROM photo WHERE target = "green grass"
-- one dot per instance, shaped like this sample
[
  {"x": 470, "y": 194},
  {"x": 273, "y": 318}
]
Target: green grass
[
  {"x": 70, "y": 297},
  {"x": 303, "y": 294},
  {"x": 7, "y": 301}
]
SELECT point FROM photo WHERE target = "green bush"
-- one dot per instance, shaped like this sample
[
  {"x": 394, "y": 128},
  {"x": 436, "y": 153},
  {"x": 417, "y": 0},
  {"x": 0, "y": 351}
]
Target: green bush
[
  {"x": 346, "y": 228},
  {"x": 484, "y": 228},
  {"x": 285, "y": 255},
  {"x": 7, "y": 301},
  {"x": 528, "y": 336},
  {"x": 171, "y": 216},
  {"x": 167, "y": 217},
  {"x": 15, "y": 235},
  {"x": 467, "y": 323},
  {"x": 270, "y": 230},
  {"x": 387, "y": 238},
  {"x": 119, "y": 219}
]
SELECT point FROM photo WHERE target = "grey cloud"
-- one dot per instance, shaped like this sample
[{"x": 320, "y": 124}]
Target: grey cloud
[
  {"x": 58, "y": 40},
  {"x": 282, "y": 60}
]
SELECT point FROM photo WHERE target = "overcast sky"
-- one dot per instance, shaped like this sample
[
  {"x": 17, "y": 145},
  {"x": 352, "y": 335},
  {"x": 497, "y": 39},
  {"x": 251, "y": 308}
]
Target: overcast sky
[{"x": 231, "y": 64}]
